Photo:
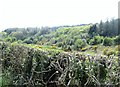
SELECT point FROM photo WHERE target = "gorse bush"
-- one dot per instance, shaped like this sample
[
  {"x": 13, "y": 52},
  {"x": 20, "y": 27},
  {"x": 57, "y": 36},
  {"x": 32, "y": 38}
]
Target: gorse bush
[
  {"x": 108, "y": 41},
  {"x": 96, "y": 40},
  {"x": 105, "y": 51},
  {"x": 84, "y": 49},
  {"x": 109, "y": 52},
  {"x": 30, "y": 66},
  {"x": 95, "y": 48},
  {"x": 79, "y": 43}
]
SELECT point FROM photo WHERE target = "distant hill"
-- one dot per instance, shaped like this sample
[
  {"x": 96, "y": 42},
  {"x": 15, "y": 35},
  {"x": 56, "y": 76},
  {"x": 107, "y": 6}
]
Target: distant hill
[{"x": 70, "y": 37}]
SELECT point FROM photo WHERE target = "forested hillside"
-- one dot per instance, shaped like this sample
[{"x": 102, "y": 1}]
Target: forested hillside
[
  {"x": 68, "y": 38},
  {"x": 78, "y": 55}
]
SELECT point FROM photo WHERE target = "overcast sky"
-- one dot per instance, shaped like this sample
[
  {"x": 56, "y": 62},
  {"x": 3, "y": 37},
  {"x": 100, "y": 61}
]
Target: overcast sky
[{"x": 37, "y": 13}]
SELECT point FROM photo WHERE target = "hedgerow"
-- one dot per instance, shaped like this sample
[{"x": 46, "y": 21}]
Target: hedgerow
[{"x": 23, "y": 65}]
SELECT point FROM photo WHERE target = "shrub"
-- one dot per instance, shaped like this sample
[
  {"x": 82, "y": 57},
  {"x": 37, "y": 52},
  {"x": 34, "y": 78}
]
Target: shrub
[
  {"x": 117, "y": 53},
  {"x": 96, "y": 40},
  {"x": 60, "y": 44},
  {"x": 108, "y": 41},
  {"x": 109, "y": 52},
  {"x": 14, "y": 39},
  {"x": 9, "y": 39},
  {"x": 117, "y": 40},
  {"x": 53, "y": 47},
  {"x": 28, "y": 41},
  {"x": 38, "y": 46},
  {"x": 95, "y": 48},
  {"x": 83, "y": 49},
  {"x": 118, "y": 48},
  {"x": 105, "y": 51},
  {"x": 21, "y": 63},
  {"x": 91, "y": 42},
  {"x": 79, "y": 44}
]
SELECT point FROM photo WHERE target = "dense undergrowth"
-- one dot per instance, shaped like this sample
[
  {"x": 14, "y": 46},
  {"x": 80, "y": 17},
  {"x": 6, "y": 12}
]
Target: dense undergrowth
[{"x": 23, "y": 65}]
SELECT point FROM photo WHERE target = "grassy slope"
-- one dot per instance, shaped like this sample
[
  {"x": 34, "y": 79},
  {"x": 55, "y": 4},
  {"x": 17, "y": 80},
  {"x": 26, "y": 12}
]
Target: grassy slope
[
  {"x": 63, "y": 34},
  {"x": 89, "y": 51}
]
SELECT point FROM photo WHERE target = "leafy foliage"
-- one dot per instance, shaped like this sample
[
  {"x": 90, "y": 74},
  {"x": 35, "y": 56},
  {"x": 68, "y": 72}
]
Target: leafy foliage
[
  {"x": 108, "y": 28},
  {"x": 55, "y": 56},
  {"x": 24, "y": 65},
  {"x": 108, "y": 41}
]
